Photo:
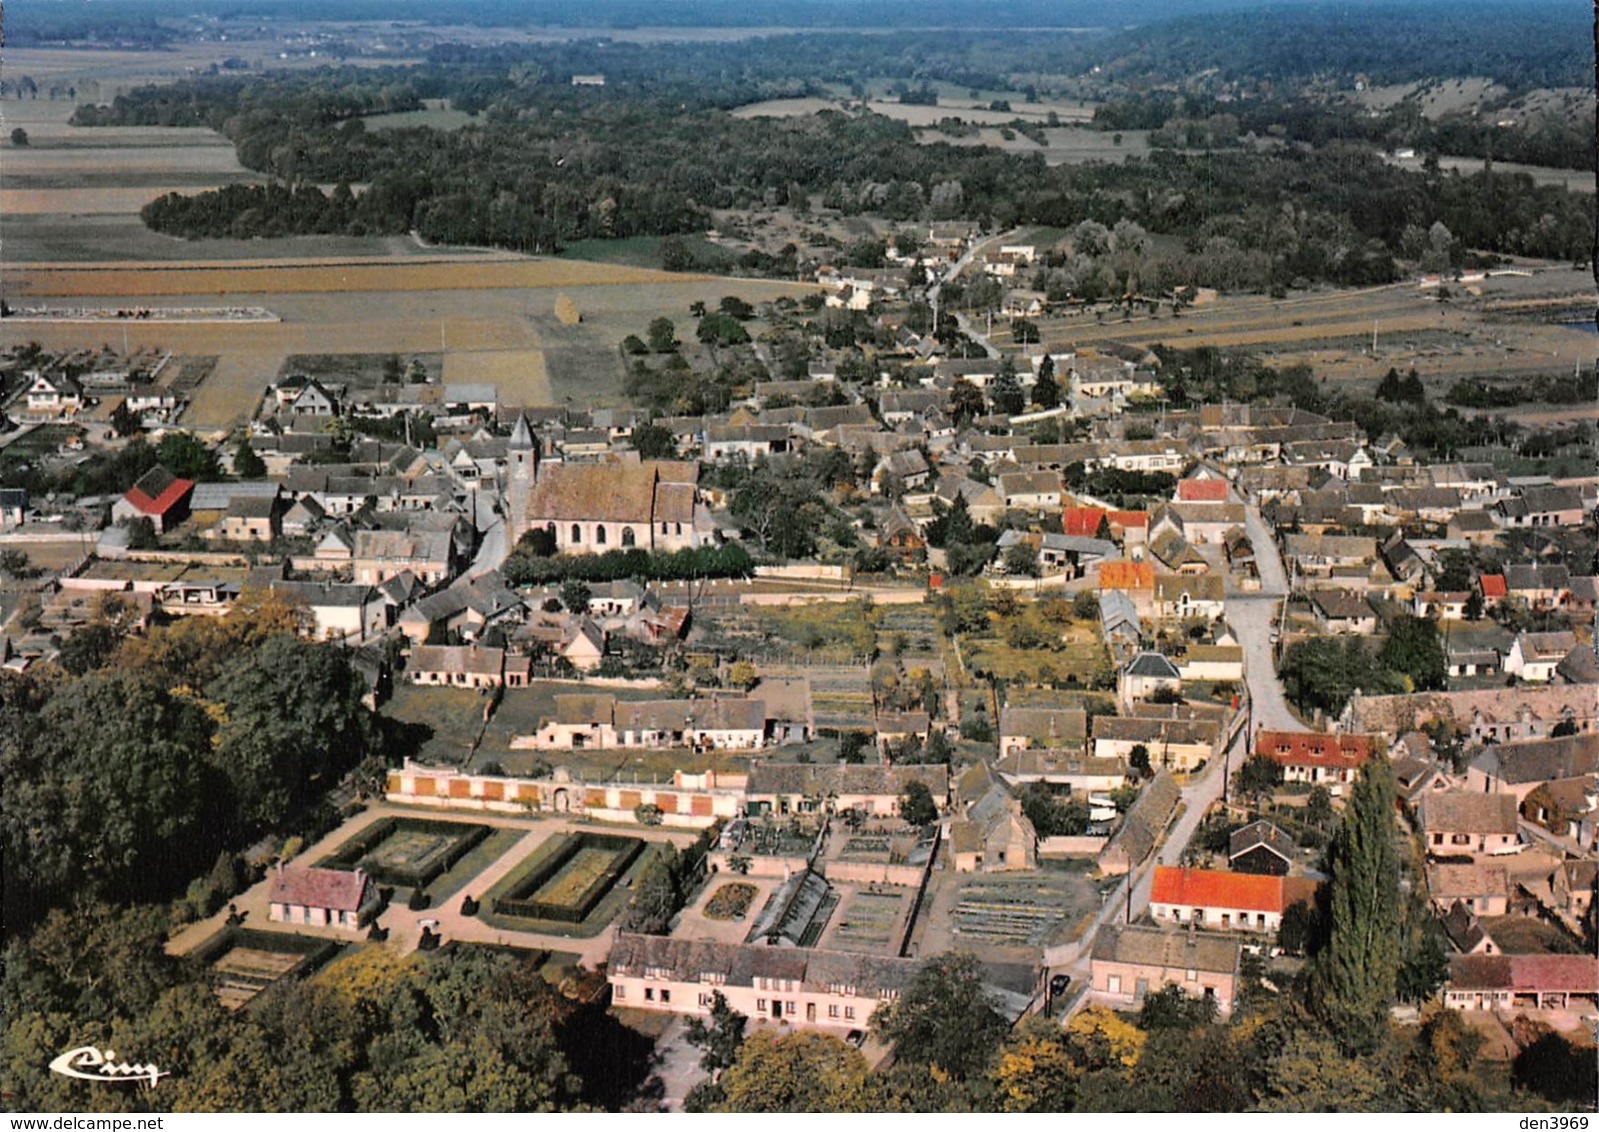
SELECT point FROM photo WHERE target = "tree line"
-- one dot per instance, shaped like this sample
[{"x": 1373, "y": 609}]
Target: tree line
[{"x": 653, "y": 154}]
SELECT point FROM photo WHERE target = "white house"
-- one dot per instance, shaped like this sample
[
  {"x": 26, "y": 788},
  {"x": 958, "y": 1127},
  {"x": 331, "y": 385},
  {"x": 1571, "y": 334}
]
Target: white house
[
  {"x": 1535, "y": 656},
  {"x": 326, "y": 898}
]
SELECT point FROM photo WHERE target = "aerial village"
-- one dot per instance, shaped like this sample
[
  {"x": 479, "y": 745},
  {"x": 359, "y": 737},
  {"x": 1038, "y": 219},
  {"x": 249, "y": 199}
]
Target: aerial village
[{"x": 908, "y": 643}]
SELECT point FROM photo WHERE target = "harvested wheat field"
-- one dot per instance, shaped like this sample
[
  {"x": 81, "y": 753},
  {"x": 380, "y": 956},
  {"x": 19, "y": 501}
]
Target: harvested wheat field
[
  {"x": 492, "y": 318},
  {"x": 101, "y": 201},
  {"x": 520, "y": 374},
  {"x": 145, "y": 280}
]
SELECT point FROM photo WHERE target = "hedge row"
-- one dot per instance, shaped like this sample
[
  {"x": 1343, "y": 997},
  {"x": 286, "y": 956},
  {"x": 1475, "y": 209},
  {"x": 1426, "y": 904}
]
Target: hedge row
[{"x": 731, "y": 561}]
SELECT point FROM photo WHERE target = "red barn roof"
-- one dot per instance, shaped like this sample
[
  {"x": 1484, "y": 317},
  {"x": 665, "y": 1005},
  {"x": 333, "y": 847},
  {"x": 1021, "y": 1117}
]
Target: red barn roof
[
  {"x": 1122, "y": 575},
  {"x": 1493, "y": 585},
  {"x": 1574, "y": 974},
  {"x": 1289, "y": 748},
  {"x": 1082, "y": 521},
  {"x": 1202, "y": 491},
  {"x": 1129, "y": 520},
  {"x": 1203, "y": 888},
  {"x": 157, "y": 491}
]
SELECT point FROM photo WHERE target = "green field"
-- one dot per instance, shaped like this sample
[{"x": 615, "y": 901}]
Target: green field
[
  {"x": 451, "y": 717},
  {"x": 580, "y": 872},
  {"x": 436, "y": 115},
  {"x": 645, "y": 251},
  {"x": 1079, "y": 659},
  {"x": 484, "y": 854}
]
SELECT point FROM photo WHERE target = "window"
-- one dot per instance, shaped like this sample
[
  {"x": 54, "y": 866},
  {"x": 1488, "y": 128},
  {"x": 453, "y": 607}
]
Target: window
[
  {"x": 849, "y": 1014},
  {"x": 793, "y": 1009},
  {"x": 666, "y": 995},
  {"x": 706, "y": 999},
  {"x": 649, "y": 994},
  {"x": 760, "y": 1004},
  {"x": 1114, "y": 984},
  {"x": 627, "y": 537},
  {"x": 1193, "y": 976},
  {"x": 577, "y": 533},
  {"x": 619, "y": 991},
  {"x": 832, "y": 1011}
]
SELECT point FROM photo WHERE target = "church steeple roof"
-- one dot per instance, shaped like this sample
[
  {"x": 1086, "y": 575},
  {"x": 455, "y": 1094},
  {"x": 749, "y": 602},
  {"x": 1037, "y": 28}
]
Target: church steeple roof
[{"x": 521, "y": 435}]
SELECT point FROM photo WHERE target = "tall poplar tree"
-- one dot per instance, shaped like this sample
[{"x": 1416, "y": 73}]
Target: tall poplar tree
[{"x": 1355, "y": 982}]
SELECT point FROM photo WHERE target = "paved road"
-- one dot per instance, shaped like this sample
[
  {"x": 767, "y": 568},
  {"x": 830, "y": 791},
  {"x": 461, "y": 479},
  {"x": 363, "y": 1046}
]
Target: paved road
[
  {"x": 1197, "y": 798},
  {"x": 492, "y": 545},
  {"x": 954, "y": 271},
  {"x": 1273, "y": 577},
  {"x": 677, "y": 1064},
  {"x": 1254, "y": 618}
]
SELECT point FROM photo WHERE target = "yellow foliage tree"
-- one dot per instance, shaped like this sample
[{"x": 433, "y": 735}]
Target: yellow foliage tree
[
  {"x": 368, "y": 974},
  {"x": 1100, "y": 1040},
  {"x": 800, "y": 1072},
  {"x": 1035, "y": 1072},
  {"x": 742, "y": 674}
]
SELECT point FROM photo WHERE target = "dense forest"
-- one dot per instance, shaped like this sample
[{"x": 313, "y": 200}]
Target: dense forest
[
  {"x": 655, "y": 150},
  {"x": 153, "y": 756},
  {"x": 457, "y": 1030}
]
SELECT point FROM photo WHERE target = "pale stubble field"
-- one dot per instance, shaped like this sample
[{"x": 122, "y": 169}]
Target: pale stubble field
[{"x": 70, "y": 236}]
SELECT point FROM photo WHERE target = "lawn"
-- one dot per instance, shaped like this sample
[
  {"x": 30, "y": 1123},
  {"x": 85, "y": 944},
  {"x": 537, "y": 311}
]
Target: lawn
[
  {"x": 1073, "y": 664},
  {"x": 436, "y": 114},
  {"x": 819, "y": 632},
  {"x": 443, "y": 721},
  {"x": 597, "y": 920},
  {"x": 484, "y": 854},
  {"x": 645, "y": 251}
]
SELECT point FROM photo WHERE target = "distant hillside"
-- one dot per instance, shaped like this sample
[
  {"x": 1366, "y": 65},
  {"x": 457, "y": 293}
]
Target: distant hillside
[{"x": 1521, "y": 47}]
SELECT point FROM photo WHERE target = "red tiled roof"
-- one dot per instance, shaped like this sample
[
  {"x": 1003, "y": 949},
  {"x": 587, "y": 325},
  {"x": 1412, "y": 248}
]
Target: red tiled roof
[
  {"x": 320, "y": 888},
  {"x": 1082, "y": 521},
  {"x": 1288, "y": 748},
  {"x": 1121, "y": 575},
  {"x": 1202, "y": 491},
  {"x": 1555, "y": 973},
  {"x": 1493, "y": 585},
  {"x": 1129, "y": 519},
  {"x": 1578, "y": 974},
  {"x": 1203, "y": 888},
  {"x": 163, "y": 502}
]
